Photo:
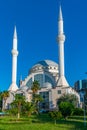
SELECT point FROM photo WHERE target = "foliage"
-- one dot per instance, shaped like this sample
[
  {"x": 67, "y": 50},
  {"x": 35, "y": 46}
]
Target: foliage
[
  {"x": 68, "y": 98},
  {"x": 78, "y": 111},
  {"x": 28, "y": 108},
  {"x": 20, "y": 106},
  {"x": 66, "y": 108},
  {"x": 5, "y": 95},
  {"x": 17, "y": 104},
  {"x": 35, "y": 87},
  {"x": 13, "y": 111},
  {"x": 55, "y": 115},
  {"x": 36, "y": 97}
]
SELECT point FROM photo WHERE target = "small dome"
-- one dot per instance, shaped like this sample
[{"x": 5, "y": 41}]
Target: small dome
[
  {"x": 47, "y": 85},
  {"x": 24, "y": 88}
]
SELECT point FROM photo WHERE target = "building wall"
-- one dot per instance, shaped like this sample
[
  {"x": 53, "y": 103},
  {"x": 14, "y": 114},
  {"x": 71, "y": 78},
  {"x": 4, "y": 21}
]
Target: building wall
[{"x": 80, "y": 86}]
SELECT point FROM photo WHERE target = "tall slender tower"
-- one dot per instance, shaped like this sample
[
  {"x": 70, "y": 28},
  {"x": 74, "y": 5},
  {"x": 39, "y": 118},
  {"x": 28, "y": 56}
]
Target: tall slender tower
[
  {"x": 13, "y": 86},
  {"x": 61, "y": 39}
]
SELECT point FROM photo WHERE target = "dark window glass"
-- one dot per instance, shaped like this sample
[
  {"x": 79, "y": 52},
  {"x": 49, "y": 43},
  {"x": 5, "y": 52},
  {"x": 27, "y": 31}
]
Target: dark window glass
[{"x": 59, "y": 91}]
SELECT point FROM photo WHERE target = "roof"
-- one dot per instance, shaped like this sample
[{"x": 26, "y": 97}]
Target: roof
[{"x": 46, "y": 63}]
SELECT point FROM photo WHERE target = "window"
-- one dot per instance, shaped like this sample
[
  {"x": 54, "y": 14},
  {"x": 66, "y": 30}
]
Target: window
[
  {"x": 29, "y": 83},
  {"x": 45, "y": 103},
  {"x": 48, "y": 79},
  {"x": 59, "y": 91},
  {"x": 39, "y": 78}
]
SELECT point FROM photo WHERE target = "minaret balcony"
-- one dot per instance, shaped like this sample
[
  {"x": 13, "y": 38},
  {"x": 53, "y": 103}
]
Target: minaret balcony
[
  {"x": 14, "y": 52},
  {"x": 61, "y": 37}
]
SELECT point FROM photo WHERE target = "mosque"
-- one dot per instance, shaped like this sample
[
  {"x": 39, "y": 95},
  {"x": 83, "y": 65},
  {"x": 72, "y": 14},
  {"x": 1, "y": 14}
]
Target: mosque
[{"x": 48, "y": 73}]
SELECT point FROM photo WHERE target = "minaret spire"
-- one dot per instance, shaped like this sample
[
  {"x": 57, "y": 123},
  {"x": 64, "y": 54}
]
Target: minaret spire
[
  {"x": 15, "y": 33},
  {"x": 61, "y": 39},
  {"x": 60, "y": 22},
  {"x": 60, "y": 13},
  {"x": 13, "y": 86}
]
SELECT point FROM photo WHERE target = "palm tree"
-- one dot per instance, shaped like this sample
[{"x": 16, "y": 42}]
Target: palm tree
[
  {"x": 4, "y": 95},
  {"x": 35, "y": 87},
  {"x": 36, "y": 100},
  {"x": 18, "y": 102},
  {"x": 29, "y": 108},
  {"x": 36, "y": 97}
]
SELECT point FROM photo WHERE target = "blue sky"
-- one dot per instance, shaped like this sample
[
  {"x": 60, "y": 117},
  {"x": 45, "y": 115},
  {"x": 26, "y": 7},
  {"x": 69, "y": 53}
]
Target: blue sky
[{"x": 36, "y": 22}]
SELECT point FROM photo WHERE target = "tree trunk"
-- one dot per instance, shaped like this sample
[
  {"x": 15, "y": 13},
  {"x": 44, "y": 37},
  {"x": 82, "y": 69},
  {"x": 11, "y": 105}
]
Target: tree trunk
[
  {"x": 3, "y": 108},
  {"x": 29, "y": 114},
  {"x": 18, "y": 115},
  {"x": 55, "y": 122},
  {"x": 19, "y": 110}
]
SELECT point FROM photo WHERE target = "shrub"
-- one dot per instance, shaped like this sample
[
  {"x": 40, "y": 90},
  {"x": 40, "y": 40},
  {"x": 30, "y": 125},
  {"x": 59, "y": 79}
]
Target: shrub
[
  {"x": 78, "y": 111},
  {"x": 55, "y": 115},
  {"x": 66, "y": 109}
]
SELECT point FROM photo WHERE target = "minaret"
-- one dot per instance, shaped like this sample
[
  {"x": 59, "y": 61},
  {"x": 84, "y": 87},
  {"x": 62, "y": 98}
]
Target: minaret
[
  {"x": 13, "y": 86},
  {"x": 61, "y": 39}
]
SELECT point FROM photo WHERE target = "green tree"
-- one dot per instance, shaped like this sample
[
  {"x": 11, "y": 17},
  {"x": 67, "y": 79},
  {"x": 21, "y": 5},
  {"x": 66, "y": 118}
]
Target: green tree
[
  {"x": 78, "y": 112},
  {"x": 5, "y": 95},
  {"x": 13, "y": 110},
  {"x": 35, "y": 87},
  {"x": 36, "y": 98},
  {"x": 18, "y": 103},
  {"x": 28, "y": 108},
  {"x": 66, "y": 109},
  {"x": 55, "y": 115},
  {"x": 72, "y": 98}
]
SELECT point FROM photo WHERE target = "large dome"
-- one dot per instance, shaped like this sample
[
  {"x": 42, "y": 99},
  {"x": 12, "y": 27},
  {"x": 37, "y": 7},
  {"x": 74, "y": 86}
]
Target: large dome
[{"x": 46, "y": 63}]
